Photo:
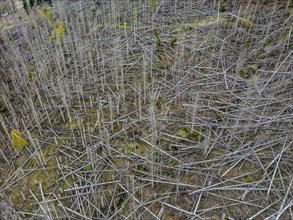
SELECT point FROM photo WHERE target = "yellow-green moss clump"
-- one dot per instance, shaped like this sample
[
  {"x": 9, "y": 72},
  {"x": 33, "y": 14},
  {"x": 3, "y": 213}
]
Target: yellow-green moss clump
[
  {"x": 17, "y": 140},
  {"x": 183, "y": 132},
  {"x": 247, "y": 72},
  {"x": 207, "y": 22},
  {"x": 188, "y": 133}
]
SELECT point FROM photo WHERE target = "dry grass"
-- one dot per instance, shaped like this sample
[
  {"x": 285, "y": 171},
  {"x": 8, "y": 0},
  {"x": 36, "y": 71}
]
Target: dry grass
[{"x": 154, "y": 110}]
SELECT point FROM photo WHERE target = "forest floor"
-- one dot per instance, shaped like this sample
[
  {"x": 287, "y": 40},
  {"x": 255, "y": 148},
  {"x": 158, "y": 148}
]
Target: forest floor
[{"x": 147, "y": 110}]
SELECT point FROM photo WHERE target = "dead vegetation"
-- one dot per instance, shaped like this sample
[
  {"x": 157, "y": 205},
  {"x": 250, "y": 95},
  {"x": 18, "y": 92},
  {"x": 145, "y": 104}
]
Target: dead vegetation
[{"x": 148, "y": 110}]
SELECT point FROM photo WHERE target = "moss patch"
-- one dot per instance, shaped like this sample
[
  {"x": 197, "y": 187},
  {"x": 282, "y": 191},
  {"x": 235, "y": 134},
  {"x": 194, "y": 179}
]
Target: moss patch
[
  {"x": 208, "y": 22},
  {"x": 247, "y": 71},
  {"x": 17, "y": 140},
  {"x": 190, "y": 134}
]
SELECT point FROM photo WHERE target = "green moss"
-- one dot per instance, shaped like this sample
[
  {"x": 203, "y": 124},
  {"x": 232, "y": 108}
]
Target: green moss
[
  {"x": 243, "y": 74},
  {"x": 219, "y": 116},
  {"x": 57, "y": 31},
  {"x": 245, "y": 23},
  {"x": 52, "y": 178},
  {"x": 124, "y": 25},
  {"x": 242, "y": 22},
  {"x": 230, "y": 210},
  {"x": 135, "y": 52},
  {"x": 153, "y": 4},
  {"x": 11, "y": 39},
  {"x": 30, "y": 183},
  {"x": 67, "y": 181},
  {"x": 21, "y": 160},
  {"x": 108, "y": 176},
  {"x": 166, "y": 59},
  {"x": 208, "y": 22},
  {"x": 252, "y": 177},
  {"x": 17, "y": 140},
  {"x": 161, "y": 101},
  {"x": 38, "y": 176},
  {"x": 195, "y": 135},
  {"x": 15, "y": 195},
  {"x": 248, "y": 71},
  {"x": 94, "y": 55},
  {"x": 249, "y": 179},
  {"x": 31, "y": 76},
  {"x": 116, "y": 127},
  {"x": 160, "y": 65},
  {"x": 127, "y": 147},
  {"x": 100, "y": 26},
  {"x": 190, "y": 134},
  {"x": 284, "y": 34},
  {"x": 170, "y": 22},
  {"x": 70, "y": 124},
  {"x": 49, "y": 149},
  {"x": 88, "y": 167},
  {"x": 157, "y": 39},
  {"x": 183, "y": 132},
  {"x": 135, "y": 15},
  {"x": 47, "y": 14},
  {"x": 119, "y": 161}
]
